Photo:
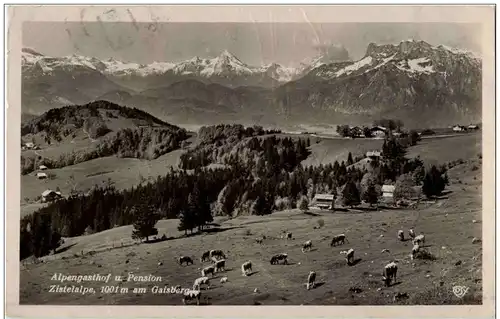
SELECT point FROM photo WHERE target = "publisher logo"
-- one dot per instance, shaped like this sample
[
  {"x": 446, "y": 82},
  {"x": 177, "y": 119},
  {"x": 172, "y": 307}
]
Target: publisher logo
[{"x": 460, "y": 291}]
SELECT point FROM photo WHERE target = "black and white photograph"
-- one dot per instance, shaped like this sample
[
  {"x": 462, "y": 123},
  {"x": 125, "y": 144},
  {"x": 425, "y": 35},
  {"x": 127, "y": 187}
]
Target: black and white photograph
[{"x": 231, "y": 163}]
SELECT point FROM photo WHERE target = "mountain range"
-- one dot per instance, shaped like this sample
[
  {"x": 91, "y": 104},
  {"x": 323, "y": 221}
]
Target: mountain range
[{"x": 412, "y": 80}]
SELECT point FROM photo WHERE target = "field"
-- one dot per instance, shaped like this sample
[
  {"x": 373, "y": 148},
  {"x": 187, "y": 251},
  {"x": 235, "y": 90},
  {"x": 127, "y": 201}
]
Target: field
[{"x": 447, "y": 224}]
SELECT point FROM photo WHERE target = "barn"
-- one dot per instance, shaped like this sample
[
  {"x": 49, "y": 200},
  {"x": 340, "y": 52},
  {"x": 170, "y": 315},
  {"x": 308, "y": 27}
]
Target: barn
[
  {"x": 50, "y": 195},
  {"x": 323, "y": 201}
]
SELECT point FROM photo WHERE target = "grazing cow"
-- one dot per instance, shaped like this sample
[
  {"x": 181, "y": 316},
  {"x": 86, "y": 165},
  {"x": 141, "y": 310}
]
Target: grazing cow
[
  {"x": 185, "y": 259},
  {"x": 414, "y": 251},
  {"x": 349, "y": 256},
  {"x": 390, "y": 271},
  {"x": 208, "y": 270},
  {"x": 339, "y": 239},
  {"x": 420, "y": 239},
  {"x": 259, "y": 240},
  {"x": 205, "y": 256},
  {"x": 411, "y": 233},
  {"x": 401, "y": 235},
  {"x": 247, "y": 266},
  {"x": 217, "y": 253},
  {"x": 223, "y": 280},
  {"x": 220, "y": 265},
  {"x": 307, "y": 245},
  {"x": 201, "y": 281},
  {"x": 192, "y": 295},
  {"x": 279, "y": 257},
  {"x": 311, "y": 280}
]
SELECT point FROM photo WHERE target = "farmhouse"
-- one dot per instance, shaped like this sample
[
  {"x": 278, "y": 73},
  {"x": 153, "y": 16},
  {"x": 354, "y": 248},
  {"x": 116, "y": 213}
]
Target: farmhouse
[
  {"x": 42, "y": 167},
  {"x": 50, "y": 195},
  {"x": 373, "y": 155},
  {"x": 473, "y": 127},
  {"x": 459, "y": 128},
  {"x": 356, "y": 131},
  {"x": 388, "y": 191},
  {"x": 41, "y": 175},
  {"x": 378, "y": 131},
  {"x": 323, "y": 201},
  {"x": 29, "y": 145}
]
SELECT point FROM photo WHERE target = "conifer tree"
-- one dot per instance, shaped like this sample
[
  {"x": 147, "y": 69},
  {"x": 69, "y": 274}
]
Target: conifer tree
[
  {"x": 145, "y": 221},
  {"x": 350, "y": 194}
]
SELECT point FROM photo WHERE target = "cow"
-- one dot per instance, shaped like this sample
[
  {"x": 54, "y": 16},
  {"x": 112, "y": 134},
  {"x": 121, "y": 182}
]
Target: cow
[
  {"x": 205, "y": 256},
  {"x": 208, "y": 270},
  {"x": 245, "y": 267},
  {"x": 414, "y": 251},
  {"x": 288, "y": 236},
  {"x": 217, "y": 253},
  {"x": 307, "y": 245},
  {"x": 220, "y": 265},
  {"x": 349, "y": 256},
  {"x": 192, "y": 295},
  {"x": 277, "y": 258},
  {"x": 389, "y": 273},
  {"x": 420, "y": 239},
  {"x": 201, "y": 281},
  {"x": 223, "y": 280},
  {"x": 339, "y": 239},
  {"x": 401, "y": 235},
  {"x": 259, "y": 240},
  {"x": 311, "y": 280},
  {"x": 411, "y": 233},
  {"x": 185, "y": 259}
]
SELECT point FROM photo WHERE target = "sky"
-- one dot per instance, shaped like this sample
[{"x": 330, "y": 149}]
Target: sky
[{"x": 253, "y": 43}]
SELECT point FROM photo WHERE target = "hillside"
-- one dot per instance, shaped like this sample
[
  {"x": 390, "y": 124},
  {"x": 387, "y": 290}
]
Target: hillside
[
  {"x": 78, "y": 133},
  {"x": 427, "y": 282}
]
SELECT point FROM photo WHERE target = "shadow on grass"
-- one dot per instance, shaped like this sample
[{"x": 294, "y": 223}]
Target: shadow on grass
[
  {"x": 218, "y": 230},
  {"x": 318, "y": 284},
  {"x": 311, "y": 213},
  {"x": 158, "y": 240},
  {"x": 355, "y": 262},
  {"x": 252, "y": 273},
  {"x": 61, "y": 250}
]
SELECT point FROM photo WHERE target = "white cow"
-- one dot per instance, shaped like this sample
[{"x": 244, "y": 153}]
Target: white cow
[
  {"x": 247, "y": 266},
  {"x": 201, "y": 281},
  {"x": 311, "y": 280},
  {"x": 192, "y": 295}
]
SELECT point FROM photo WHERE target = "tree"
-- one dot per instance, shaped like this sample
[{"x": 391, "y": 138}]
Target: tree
[
  {"x": 350, "y": 194},
  {"x": 303, "y": 203},
  {"x": 343, "y": 130},
  {"x": 350, "y": 161},
  {"x": 414, "y": 137},
  {"x": 367, "y": 131},
  {"x": 55, "y": 240},
  {"x": 187, "y": 217},
  {"x": 371, "y": 194},
  {"x": 434, "y": 182},
  {"x": 145, "y": 221},
  {"x": 404, "y": 187}
]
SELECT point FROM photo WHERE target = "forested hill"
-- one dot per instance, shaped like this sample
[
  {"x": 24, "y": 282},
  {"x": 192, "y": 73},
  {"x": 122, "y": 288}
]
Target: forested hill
[{"x": 84, "y": 132}]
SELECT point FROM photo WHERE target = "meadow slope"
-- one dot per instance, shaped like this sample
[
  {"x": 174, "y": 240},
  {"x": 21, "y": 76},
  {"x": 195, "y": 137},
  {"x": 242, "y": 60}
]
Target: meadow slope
[{"x": 447, "y": 224}]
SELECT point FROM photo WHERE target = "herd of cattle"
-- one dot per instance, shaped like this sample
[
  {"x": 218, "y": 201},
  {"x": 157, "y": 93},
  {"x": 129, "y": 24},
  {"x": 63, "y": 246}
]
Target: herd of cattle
[{"x": 218, "y": 259}]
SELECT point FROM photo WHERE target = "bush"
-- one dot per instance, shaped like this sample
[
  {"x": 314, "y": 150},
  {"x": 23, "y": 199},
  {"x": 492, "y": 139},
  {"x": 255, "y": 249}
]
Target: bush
[
  {"x": 303, "y": 203},
  {"x": 321, "y": 223}
]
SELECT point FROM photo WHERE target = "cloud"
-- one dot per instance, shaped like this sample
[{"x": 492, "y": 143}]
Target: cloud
[{"x": 331, "y": 51}]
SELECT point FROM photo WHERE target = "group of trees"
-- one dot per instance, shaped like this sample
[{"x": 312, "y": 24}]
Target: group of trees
[{"x": 262, "y": 173}]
